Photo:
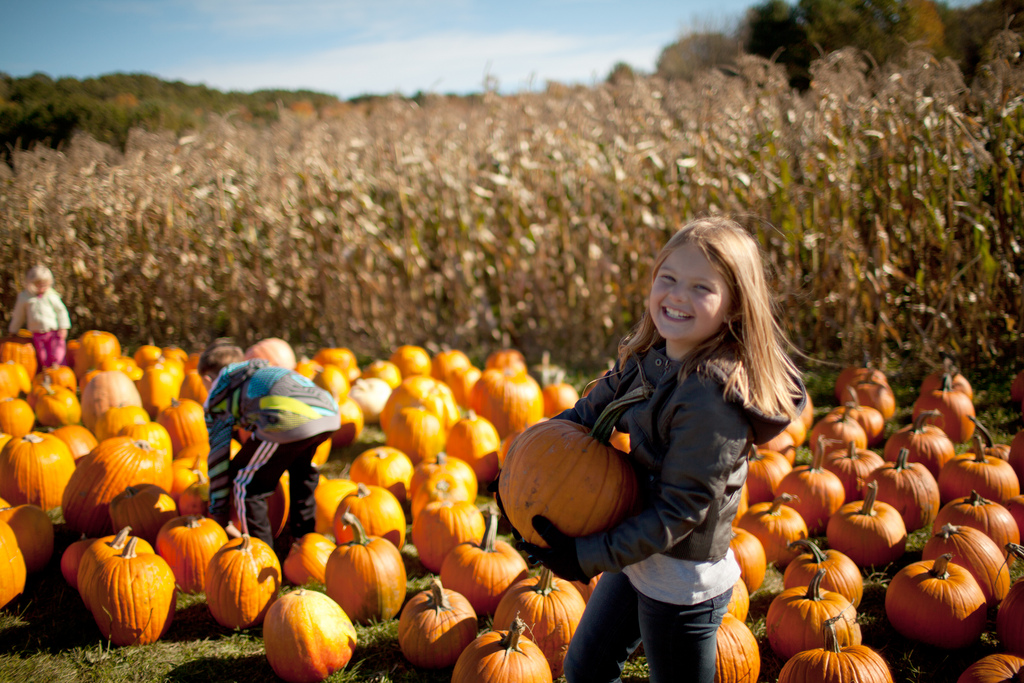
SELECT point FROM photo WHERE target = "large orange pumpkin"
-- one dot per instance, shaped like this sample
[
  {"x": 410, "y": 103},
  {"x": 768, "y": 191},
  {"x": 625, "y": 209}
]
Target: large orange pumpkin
[
  {"x": 242, "y": 581},
  {"x": 112, "y": 466},
  {"x": 35, "y": 468},
  {"x": 133, "y": 597},
  {"x": 307, "y": 637},
  {"x": 12, "y": 566},
  {"x": 366, "y": 575},
  {"x": 558, "y": 468}
]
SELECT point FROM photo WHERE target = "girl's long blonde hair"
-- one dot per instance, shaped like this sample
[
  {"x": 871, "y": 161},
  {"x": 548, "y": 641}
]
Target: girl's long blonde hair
[{"x": 750, "y": 347}]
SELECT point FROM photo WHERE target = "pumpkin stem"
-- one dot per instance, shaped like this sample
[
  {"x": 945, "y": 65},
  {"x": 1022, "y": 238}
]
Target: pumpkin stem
[
  {"x": 818, "y": 461},
  {"x": 129, "y": 550},
  {"x": 851, "y": 396},
  {"x": 545, "y": 582},
  {"x": 490, "y": 530},
  {"x": 32, "y": 437},
  {"x": 361, "y": 490},
  {"x": 983, "y": 429},
  {"x": 977, "y": 499},
  {"x": 605, "y": 423},
  {"x": 1015, "y": 549},
  {"x": 870, "y": 494},
  {"x": 922, "y": 418},
  {"x": 193, "y": 521},
  {"x": 939, "y": 568},
  {"x": 831, "y": 639},
  {"x": 358, "y": 532},
  {"x": 442, "y": 459},
  {"x": 120, "y": 539},
  {"x": 779, "y": 501},
  {"x": 246, "y": 545},
  {"x": 979, "y": 449},
  {"x": 814, "y": 587},
  {"x": 510, "y": 643},
  {"x": 438, "y": 598},
  {"x": 812, "y": 547},
  {"x": 948, "y": 530},
  {"x": 901, "y": 460}
]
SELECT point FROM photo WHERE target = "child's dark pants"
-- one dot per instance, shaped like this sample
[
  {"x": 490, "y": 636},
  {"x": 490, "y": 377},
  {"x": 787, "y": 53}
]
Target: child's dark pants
[{"x": 255, "y": 471}]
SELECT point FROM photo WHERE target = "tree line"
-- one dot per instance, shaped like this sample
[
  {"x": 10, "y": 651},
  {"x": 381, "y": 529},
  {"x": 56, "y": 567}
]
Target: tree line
[
  {"x": 796, "y": 34},
  {"x": 40, "y": 109}
]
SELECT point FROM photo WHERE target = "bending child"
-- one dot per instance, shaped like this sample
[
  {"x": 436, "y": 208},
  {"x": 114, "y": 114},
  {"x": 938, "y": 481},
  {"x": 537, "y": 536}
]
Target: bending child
[
  {"x": 288, "y": 417},
  {"x": 713, "y": 357}
]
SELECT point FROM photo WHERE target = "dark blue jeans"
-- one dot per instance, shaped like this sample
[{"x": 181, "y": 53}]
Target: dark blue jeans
[{"x": 679, "y": 640}]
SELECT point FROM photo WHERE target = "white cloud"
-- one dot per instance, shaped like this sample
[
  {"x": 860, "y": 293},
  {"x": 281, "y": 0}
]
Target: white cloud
[{"x": 442, "y": 62}]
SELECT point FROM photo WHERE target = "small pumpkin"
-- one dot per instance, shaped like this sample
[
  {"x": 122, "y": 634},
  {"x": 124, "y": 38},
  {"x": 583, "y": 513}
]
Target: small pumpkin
[{"x": 435, "y": 626}]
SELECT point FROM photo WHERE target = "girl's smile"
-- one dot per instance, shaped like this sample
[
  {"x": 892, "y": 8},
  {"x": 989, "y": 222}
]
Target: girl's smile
[{"x": 689, "y": 300}]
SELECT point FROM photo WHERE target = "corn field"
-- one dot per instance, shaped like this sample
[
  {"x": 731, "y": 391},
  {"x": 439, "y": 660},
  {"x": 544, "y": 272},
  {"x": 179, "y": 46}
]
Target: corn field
[{"x": 887, "y": 199}]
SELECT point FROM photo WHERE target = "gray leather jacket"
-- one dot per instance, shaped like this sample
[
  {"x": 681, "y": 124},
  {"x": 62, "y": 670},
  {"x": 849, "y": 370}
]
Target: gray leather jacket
[{"x": 689, "y": 446}]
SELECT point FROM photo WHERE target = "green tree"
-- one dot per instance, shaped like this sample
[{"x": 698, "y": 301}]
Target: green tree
[
  {"x": 872, "y": 25},
  {"x": 773, "y": 30}
]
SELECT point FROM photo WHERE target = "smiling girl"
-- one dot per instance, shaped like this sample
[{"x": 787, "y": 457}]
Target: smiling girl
[{"x": 711, "y": 359}]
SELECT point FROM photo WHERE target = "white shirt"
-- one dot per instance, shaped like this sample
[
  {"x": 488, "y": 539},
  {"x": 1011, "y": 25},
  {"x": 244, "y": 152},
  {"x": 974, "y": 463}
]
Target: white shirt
[{"x": 683, "y": 582}]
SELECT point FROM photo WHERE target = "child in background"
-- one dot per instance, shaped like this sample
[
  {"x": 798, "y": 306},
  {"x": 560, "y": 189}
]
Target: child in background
[
  {"x": 709, "y": 360},
  {"x": 40, "y": 309},
  {"x": 288, "y": 417}
]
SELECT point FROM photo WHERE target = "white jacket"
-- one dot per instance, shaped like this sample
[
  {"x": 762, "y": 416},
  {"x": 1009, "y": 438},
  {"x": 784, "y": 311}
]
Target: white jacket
[{"x": 44, "y": 313}]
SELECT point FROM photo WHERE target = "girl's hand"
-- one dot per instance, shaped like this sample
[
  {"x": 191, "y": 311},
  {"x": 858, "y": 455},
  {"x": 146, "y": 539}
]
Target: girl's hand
[
  {"x": 560, "y": 558},
  {"x": 232, "y": 530},
  {"x": 63, "y": 334}
]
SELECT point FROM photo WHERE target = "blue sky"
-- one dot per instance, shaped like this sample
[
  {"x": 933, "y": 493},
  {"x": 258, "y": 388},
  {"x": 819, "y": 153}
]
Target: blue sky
[{"x": 350, "y": 48}]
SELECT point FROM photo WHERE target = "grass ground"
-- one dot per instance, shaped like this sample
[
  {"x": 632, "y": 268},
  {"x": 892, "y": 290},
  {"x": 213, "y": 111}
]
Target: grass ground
[{"x": 48, "y": 635}]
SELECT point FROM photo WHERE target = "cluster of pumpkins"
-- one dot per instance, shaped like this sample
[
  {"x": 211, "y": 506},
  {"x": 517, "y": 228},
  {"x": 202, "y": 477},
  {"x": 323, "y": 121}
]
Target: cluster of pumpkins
[
  {"x": 864, "y": 504},
  {"x": 119, "y": 443}
]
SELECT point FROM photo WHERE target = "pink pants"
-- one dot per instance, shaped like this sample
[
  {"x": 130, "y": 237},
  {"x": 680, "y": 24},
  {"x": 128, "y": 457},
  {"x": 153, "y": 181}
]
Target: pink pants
[{"x": 50, "y": 348}]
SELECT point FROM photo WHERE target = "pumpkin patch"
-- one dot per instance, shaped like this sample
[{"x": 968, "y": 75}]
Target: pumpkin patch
[{"x": 405, "y": 537}]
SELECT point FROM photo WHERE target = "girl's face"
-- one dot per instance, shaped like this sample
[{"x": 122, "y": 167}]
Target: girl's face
[
  {"x": 689, "y": 300},
  {"x": 39, "y": 287}
]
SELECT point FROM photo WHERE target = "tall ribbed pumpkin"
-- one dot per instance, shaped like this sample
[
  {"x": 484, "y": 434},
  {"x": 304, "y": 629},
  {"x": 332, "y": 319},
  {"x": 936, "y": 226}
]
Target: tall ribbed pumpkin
[
  {"x": 35, "y": 468},
  {"x": 551, "y": 608},
  {"x": 558, "y": 469},
  {"x": 511, "y": 400},
  {"x": 99, "y": 550},
  {"x": 366, "y": 575},
  {"x": 242, "y": 581},
  {"x": 185, "y": 423},
  {"x": 110, "y": 468},
  {"x": 133, "y": 597}
]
